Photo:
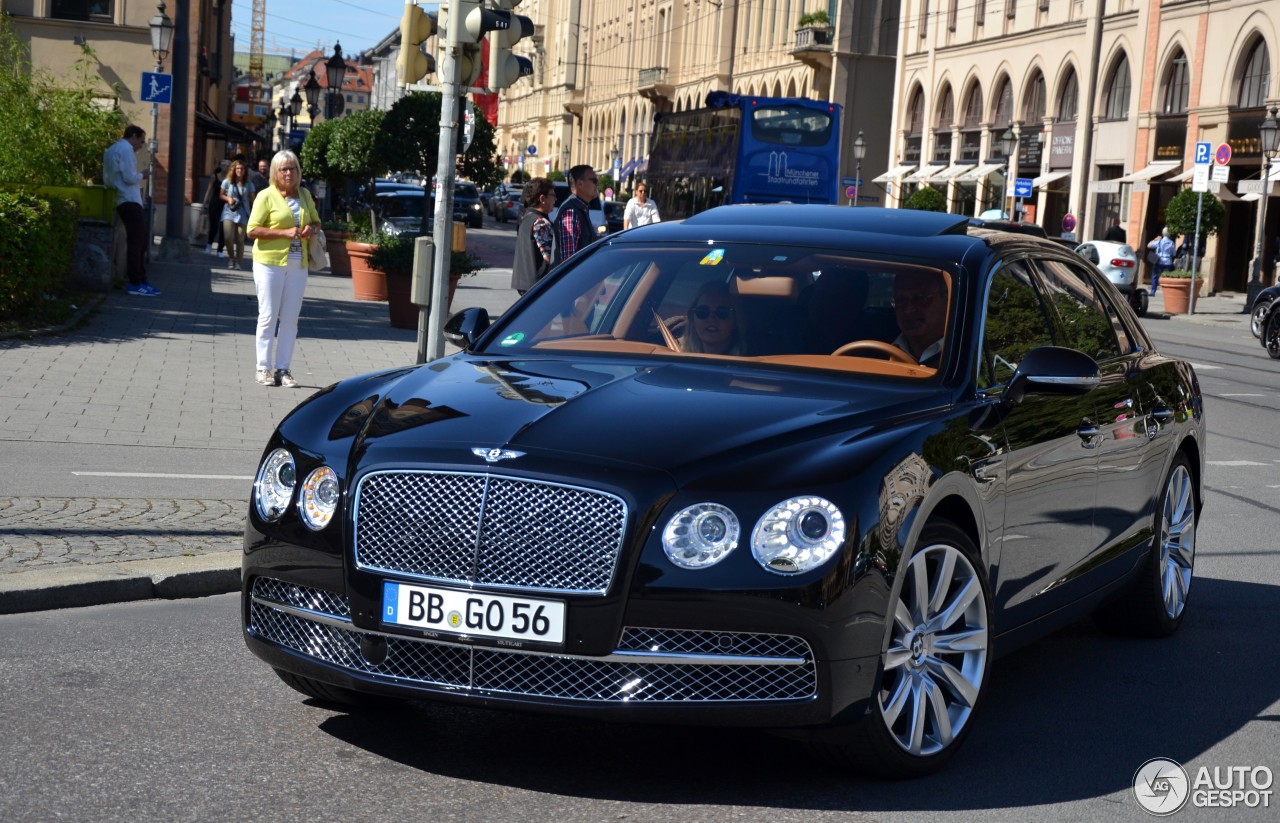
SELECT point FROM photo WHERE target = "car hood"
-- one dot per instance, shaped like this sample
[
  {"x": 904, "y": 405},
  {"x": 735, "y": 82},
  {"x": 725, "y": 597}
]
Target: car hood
[{"x": 683, "y": 420}]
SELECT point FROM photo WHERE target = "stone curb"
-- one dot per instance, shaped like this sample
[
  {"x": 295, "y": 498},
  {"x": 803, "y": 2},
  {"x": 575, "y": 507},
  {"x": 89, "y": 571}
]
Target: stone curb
[{"x": 167, "y": 578}]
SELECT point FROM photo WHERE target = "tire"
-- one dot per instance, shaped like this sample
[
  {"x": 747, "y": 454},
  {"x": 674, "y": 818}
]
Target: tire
[
  {"x": 935, "y": 668},
  {"x": 333, "y": 695},
  {"x": 1257, "y": 316},
  {"x": 1271, "y": 334},
  {"x": 1140, "y": 302},
  {"x": 1155, "y": 601}
]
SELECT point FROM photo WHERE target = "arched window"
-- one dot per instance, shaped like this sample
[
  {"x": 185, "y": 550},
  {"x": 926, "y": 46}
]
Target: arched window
[
  {"x": 1118, "y": 87},
  {"x": 973, "y": 110},
  {"x": 946, "y": 111},
  {"x": 1177, "y": 85},
  {"x": 1004, "y": 104},
  {"x": 1257, "y": 71},
  {"x": 915, "y": 113},
  {"x": 1034, "y": 111},
  {"x": 1069, "y": 100}
]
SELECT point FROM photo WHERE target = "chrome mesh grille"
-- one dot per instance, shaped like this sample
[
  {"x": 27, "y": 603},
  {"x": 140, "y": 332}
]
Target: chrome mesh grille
[
  {"x": 790, "y": 676},
  {"x": 302, "y": 597},
  {"x": 489, "y": 531}
]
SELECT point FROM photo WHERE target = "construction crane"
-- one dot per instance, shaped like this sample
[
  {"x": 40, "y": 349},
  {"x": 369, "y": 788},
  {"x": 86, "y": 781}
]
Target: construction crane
[{"x": 256, "y": 52}]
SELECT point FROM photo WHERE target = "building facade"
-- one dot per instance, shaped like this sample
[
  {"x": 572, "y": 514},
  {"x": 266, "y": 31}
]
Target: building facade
[{"x": 1105, "y": 101}]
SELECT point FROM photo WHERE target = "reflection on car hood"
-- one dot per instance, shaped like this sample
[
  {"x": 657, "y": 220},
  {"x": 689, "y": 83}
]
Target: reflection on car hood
[{"x": 677, "y": 418}]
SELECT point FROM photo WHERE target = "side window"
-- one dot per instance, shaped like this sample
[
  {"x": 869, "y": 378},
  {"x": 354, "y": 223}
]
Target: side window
[
  {"x": 1015, "y": 322},
  {"x": 1083, "y": 319}
]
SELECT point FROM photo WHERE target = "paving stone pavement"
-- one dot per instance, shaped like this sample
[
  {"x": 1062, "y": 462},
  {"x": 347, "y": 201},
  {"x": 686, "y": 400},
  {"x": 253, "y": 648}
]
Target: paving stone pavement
[{"x": 172, "y": 371}]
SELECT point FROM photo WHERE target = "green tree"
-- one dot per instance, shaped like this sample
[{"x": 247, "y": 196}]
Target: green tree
[
  {"x": 1180, "y": 214},
  {"x": 410, "y": 140},
  {"x": 55, "y": 131},
  {"x": 926, "y": 198},
  {"x": 315, "y": 152}
]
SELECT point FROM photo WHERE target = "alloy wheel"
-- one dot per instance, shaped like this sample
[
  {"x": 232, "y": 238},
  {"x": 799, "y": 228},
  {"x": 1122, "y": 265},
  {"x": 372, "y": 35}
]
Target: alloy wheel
[
  {"x": 937, "y": 657},
  {"x": 1177, "y": 541},
  {"x": 1258, "y": 315}
]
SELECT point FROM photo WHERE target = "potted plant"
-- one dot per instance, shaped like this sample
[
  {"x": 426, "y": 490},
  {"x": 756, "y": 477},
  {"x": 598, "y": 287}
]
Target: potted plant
[
  {"x": 367, "y": 283},
  {"x": 336, "y": 233},
  {"x": 926, "y": 199},
  {"x": 1175, "y": 284},
  {"x": 815, "y": 28},
  {"x": 393, "y": 256},
  {"x": 1180, "y": 218}
]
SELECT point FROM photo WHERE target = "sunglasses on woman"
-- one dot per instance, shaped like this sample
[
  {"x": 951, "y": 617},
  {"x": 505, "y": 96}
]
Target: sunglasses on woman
[{"x": 721, "y": 312}]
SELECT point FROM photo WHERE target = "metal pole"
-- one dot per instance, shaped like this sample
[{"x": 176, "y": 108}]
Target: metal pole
[
  {"x": 153, "y": 146},
  {"x": 1195, "y": 256},
  {"x": 857, "y": 181},
  {"x": 443, "y": 223},
  {"x": 1255, "y": 283}
]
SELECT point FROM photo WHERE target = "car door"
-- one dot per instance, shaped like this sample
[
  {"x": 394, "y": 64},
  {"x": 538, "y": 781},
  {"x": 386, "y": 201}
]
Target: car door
[
  {"x": 1049, "y": 464},
  {"x": 1088, "y": 320}
]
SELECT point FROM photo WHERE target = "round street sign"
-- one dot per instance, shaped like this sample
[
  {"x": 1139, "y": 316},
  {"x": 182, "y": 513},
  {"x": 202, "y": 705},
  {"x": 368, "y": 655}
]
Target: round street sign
[
  {"x": 1223, "y": 155},
  {"x": 851, "y": 192},
  {"x": 532, "y": 150},
  {"x": 1068, "y": 222}
]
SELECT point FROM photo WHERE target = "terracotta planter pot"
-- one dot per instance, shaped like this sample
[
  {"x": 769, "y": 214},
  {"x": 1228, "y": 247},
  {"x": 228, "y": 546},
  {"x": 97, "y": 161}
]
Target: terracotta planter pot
[
  {"x": 339, "y": 261},
  {"x": 1177, "y": 294},
  {"x": 402, "y": 311},
  {"x": 366, "y": 283}
]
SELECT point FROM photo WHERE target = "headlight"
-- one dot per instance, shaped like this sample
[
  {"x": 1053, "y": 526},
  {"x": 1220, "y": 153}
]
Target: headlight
[
  {"x": 798, "y": 535},
  {"x": 273, "y": 489},
  {"x": 700, "y": 536},
  {"x": 475, "y": 207},
  {"x": 319, "y": 498}
]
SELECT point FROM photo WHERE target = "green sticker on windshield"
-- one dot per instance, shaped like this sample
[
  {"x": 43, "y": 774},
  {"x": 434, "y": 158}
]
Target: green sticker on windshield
[
  {"x": 512, "y": 339},
  {"x": 713, "y": 257}
]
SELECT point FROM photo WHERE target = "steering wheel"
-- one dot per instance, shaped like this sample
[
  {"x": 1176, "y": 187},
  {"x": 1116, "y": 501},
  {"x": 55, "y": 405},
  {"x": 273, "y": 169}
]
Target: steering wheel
[{"x": 890, "y": 351}]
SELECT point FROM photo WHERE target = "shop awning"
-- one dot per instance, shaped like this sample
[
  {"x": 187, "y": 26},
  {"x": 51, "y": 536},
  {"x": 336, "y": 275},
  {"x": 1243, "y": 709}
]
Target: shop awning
[
  {"x": 950, "y": 172},
  {"x": 980, "y": 172},
  {"x": 893, "y": 173},
  {"x": 627, "y": 169},
  {"x": 1159, "y": 169},
  {"x": 215, "y": 129},
  {"x": 924, "y": 173},
  {"x": 1052, "y": 177}
]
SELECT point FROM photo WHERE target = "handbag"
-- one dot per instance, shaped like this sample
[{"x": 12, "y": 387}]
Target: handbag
[
  {"x": 317, "y": 251},
  {"x": 1153, "y": 258}
]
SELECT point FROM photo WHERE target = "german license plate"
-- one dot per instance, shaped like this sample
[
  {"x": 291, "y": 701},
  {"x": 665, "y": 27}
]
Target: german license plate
[{"x": 473, "y": 613}]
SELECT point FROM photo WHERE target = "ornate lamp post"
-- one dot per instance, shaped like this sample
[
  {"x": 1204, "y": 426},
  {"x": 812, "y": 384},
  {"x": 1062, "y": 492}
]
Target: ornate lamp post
[
  {"x": 1008, "y": 142},
  {"x": 284, "y": 115},
  {"x": 312, "y": 90},
  {"x": 161, "y": 38},
  {"x": 1269, "y": 130},
  {"x": 335, "y": 69},
  {"x": 859, "y": 152},
  {"x": 565, "y": 156},
  {"x": 615, "y": 155}
]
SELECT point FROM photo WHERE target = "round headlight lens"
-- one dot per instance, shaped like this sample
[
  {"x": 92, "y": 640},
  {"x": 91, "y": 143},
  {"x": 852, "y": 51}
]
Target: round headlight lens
[
  {"x": 798, "y": 535},
  {"x": 319, "y": 498},
  {"x": 273, "y": 488},
  {"x": 700, "y": 536}
]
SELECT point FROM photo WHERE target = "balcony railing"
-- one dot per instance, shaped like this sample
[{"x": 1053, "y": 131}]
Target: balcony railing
[{"x": 652, "y": 83}]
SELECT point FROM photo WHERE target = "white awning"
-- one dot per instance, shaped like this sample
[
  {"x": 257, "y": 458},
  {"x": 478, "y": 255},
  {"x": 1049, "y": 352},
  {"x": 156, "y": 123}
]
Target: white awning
[
  {"x": 981, "y": 172},
  {"x": 949, "y": 172},
  {"x": 924, "y": 174},
  {"x": 893, "y": 173},
  {"x": 1184, "y": 177},
  {"x": 1151, "y": 172},
  {"x": 1052, "y": 177}
]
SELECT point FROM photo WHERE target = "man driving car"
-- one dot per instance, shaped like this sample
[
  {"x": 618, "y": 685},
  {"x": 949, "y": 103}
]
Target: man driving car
[{"x": 920, "y": 306}]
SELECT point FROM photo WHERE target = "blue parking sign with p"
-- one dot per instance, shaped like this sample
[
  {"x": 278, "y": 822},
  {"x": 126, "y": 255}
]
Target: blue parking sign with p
[{"x": 1204, "y": 154}]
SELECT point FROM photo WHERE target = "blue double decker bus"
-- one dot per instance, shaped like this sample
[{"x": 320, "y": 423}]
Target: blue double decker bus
[{"x": 741, "y": 149}]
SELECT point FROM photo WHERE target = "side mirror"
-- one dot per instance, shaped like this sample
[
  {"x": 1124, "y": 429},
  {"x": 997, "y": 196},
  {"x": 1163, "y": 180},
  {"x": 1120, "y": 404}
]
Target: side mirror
[
  {"x": 1053, "y": 370},
  {"x": 465, "y": 327}
]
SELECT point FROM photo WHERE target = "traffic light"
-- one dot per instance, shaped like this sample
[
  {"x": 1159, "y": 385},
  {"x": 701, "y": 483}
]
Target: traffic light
[
  {"x": 506, "y": 68},
  {"x": 416, "y": 26},
  {"x": 469, "y": 62}
]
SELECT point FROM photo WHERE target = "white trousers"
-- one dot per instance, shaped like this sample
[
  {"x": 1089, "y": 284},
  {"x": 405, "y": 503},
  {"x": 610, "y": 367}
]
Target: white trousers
[{"x": 280, "y": 291}]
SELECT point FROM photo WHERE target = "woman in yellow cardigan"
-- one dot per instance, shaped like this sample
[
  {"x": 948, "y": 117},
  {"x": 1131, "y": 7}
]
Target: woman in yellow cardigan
[{"x": 283, "y": 217}]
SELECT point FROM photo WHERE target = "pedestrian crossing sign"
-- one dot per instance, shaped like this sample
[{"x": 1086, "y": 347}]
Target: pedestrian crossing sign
[{"x": 157, "y": 88}]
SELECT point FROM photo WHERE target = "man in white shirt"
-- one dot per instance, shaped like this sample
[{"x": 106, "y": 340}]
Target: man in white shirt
[
  {"x": 920, "y": 305},
  {"x": 640, "y": 211},
  {"x": 120, "y": 174}
]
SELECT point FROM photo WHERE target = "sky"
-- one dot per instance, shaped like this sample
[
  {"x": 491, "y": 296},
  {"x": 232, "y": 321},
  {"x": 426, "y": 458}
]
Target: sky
[{"x": 297, "y": 26}]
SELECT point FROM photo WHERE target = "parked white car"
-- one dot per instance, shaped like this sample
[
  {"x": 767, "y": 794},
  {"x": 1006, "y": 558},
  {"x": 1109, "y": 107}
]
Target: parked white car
[{"x": 1119, "y": 263}]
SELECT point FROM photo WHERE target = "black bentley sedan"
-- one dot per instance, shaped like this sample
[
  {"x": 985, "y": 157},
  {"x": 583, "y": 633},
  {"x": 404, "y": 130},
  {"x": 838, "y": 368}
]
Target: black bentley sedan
[{"x": 803, "y": 468}]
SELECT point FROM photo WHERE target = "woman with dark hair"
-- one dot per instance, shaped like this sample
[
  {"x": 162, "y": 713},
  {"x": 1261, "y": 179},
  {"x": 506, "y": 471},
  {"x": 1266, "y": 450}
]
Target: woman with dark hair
[
  {"x": 535, "y": 237},
  {"x": 712, "y": 323}
]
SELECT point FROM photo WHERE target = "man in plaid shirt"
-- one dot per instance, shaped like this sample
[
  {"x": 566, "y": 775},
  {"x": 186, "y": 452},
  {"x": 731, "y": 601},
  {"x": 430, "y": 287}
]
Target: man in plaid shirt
[{"x": 573, "y": 222}]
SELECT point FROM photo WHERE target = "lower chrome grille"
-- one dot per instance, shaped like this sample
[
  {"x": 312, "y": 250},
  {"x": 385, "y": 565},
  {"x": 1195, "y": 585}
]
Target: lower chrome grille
[{"x": 650, "y": 665}]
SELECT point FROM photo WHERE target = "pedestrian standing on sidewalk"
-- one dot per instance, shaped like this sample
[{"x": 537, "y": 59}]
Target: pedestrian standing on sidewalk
[
  {"x": 1163, "y": 247},
  {"x": 235, "y": 211},
  {"x": 573, "y": 222},
  {"x": 535, "y": 239},
  {"x": 213, "y": 209},
  {"x": 283, "y": 218},
  {"x": 120, "y": 173}
]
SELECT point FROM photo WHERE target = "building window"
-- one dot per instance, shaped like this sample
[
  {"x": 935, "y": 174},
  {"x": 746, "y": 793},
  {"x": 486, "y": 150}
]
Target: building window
[
  {"x": 1004, "y": 104},
  {"x": 1257, "y": 71},
  {"x": 1069, "y": 100},
  {"x": 1177, "y": 85},
  {"x": 946, "y": 112},
  {"x": 951, "y": 14},
  {"x": 82, "y": 10},
  {"x": 915, "y": 115},
  {"x": 1117, "y": 104},
  {"x": 924, "y": 19},
  {"x": 1034, "y": 112},
  {"x": 973, "y": 110},
  {"x": 1011, "y": 9}
]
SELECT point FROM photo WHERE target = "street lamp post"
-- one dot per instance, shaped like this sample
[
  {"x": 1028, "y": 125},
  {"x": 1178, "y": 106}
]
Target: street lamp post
[
  {"x": 565, "y": 156},
  {"x": 335, "y": 69},
  {"x": 1008, "y": 142},
  {"x": 859, "y": 152},
  {"x": 1269, "y": 130},
  {"x": 284, "y": 115},
  {"x": 616, "y": 156},
  {"x": 312, "y": 89},
  {"x": 161, "y": 37}
]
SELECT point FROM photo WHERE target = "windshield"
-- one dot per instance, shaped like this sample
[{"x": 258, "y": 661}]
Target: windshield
[{"x": 801, "y": 307}]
